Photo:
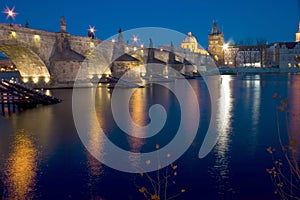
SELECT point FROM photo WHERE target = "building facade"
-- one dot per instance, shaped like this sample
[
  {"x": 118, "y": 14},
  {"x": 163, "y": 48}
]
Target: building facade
[
  {"x": 284, "y": 54},
  {"x": 245, "y": 56}
]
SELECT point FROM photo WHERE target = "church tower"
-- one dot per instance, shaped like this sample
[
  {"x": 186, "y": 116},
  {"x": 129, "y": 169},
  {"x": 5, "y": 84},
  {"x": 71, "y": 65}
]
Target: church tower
[
  {"x": 298, "y": 34},
  {"x": 215, "y": 44}
]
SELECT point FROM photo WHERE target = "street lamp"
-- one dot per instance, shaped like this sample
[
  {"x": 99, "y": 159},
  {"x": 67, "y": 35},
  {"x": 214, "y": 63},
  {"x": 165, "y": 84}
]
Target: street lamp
[
  {"x": 225, "y": 48},
  {"x": 91, "y": 33},
  {"x": 10, "y": 13}
]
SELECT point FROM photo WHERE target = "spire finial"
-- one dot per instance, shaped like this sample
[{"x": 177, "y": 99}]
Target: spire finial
[
  {"x": 172, "y": 46},
  {"x": 150, "y": 43},
  {"x": 120, "y": 36}
]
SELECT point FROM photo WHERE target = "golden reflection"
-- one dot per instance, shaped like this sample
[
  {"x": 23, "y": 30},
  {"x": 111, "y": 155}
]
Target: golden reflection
[
  {"x": 20, "y": 170},
  {"x": 96, "y": 144},
  {"x": 48, "y": 92},
  {"x": 139, "y": 115},
  {"x": 96, "y": 141}
]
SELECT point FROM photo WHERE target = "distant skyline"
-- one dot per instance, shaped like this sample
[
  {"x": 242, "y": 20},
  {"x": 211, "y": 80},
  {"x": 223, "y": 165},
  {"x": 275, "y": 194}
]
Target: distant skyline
[{"x": 275, "y": 20}]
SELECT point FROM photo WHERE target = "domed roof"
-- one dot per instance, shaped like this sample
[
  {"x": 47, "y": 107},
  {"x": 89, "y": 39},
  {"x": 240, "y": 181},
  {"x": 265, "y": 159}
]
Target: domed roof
[{"x": 189, "y": 38}]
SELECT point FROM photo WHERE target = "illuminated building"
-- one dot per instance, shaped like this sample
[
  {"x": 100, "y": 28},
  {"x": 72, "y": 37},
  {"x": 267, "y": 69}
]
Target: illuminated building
[
  {"x": 284, "y": 54},
  {"x": 298, "y": 34},
  {"x": 190, "y": 44},
  {"x": 215, "y": 44}
]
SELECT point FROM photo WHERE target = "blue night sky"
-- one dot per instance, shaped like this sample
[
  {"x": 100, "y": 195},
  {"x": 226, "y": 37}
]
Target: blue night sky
[{"x": 275, "y": 20}]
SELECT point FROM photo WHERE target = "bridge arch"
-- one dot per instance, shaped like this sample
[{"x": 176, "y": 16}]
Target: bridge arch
[{"x": 28, "y": 63}]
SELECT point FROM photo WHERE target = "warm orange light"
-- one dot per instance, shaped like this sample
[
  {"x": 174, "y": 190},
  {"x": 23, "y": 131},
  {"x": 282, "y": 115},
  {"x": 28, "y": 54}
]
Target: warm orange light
[
  {"x": 47, "y": 79},
  {"x": 298, "y": 37},
  {"x": 35, "y": 79},
  {"x": 13, "y": 34},
  {"x": 25, "y": 80}
]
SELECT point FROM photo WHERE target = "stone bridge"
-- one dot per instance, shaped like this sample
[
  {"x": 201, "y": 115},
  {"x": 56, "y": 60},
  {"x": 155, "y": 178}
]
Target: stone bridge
[
  {"x": 53, "y": 58},
  {"x": 34, "y": 51}
]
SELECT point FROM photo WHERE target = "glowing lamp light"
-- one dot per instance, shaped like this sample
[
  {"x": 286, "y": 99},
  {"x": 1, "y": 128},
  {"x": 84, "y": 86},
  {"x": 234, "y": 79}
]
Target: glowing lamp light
[
  {"x": 35, "y": 79},
  {"x": 13, "y": 34},
  {"x": 225, "y": 46},
  {"x": 47, "y": 79},
  {"x": 10, "y": 13},
  {"x": 92, "y": 44},
  {"x": 92, "y": 29},
  {"x": 135, "y": 39},
  {"x": 25, "y": 80},
  {"x": 37, "y": 37},
  {"x": 113, "y": 40}
]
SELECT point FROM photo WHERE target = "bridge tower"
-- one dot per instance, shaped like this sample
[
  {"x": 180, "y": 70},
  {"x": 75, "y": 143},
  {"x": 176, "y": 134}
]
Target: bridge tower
[{"x": 215, "y": 44}]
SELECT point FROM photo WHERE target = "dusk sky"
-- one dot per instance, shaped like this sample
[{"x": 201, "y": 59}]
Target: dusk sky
[{"x": 274, "y": 20}]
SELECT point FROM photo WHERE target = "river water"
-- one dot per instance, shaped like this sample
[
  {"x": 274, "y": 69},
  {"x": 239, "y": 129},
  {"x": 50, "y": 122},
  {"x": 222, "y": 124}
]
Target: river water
[{"x": 42, "y": 156}]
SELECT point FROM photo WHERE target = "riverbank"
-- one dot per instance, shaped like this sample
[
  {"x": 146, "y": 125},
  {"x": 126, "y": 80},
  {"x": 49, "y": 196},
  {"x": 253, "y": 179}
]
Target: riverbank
[
  {"x": 216, "y": 71},
  {"x": 228, "y": 70}
]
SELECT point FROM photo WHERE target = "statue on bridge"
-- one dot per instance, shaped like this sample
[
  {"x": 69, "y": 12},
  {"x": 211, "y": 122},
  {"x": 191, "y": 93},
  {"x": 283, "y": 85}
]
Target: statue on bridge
[{"x": 63, "y": 25}]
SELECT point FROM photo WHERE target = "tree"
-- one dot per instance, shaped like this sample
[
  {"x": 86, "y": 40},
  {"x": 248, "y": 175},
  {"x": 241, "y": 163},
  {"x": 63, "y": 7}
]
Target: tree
[{"x": 285, "y": 174}]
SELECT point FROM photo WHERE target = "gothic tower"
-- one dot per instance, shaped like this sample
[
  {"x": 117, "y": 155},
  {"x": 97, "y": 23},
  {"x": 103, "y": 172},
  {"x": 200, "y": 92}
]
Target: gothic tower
[
  {"x": 298, "y": 34},
  {"x": 215, "y": 44}
]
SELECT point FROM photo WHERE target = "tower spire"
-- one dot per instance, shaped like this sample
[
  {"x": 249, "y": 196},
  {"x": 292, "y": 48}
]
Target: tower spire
[{"x": 298, "y": 33}]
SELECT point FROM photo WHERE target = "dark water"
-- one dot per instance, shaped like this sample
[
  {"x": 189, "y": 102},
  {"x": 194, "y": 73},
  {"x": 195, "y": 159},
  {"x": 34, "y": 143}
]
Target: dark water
[{"x": 42, "y": 157}]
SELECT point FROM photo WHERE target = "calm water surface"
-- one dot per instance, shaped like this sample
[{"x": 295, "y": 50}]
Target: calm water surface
[{"x": 42, "y": 157}]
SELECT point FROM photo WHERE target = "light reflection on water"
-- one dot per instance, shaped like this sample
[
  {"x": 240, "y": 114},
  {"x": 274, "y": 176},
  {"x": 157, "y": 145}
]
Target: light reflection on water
[
  {"x": 246, "y": 122},
  {"x": 139, "y": 115},
  {"x": 253, "y": 102},
  {"x": 20, "y": 169},
  {"x": 220, "y": 170}
]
